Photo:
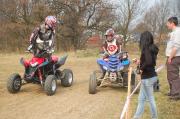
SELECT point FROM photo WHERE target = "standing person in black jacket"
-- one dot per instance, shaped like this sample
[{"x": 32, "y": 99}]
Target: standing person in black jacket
[{"x": 147, "y": 63}]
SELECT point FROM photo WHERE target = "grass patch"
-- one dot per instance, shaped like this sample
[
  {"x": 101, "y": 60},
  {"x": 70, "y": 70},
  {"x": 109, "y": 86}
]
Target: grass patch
[{"x": 88, "y": 53}]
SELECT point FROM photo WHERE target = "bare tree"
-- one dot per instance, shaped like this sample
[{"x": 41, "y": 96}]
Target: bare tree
[
  {"x": 14, "y": 13},
  {"x": 155, "y": 19},
  {"x": 178, "y": 7},
  {"x": 163, "y": 14},
  {"x": 25, "y": 10},
  {"x": 8, "y": 10},
  {"x": 17, "y": 10},
  {"x": 80, "y": 16},
  {"x": 129, "y": 10}
]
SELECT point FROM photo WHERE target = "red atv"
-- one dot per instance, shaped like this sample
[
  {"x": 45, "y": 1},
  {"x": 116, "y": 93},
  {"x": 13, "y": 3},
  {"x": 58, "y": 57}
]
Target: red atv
[{"x": 44, "y": 71}]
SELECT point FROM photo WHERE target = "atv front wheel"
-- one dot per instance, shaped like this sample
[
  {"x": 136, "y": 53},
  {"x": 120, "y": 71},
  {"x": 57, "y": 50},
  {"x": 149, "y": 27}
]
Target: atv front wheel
[
  {"x": 14, "y": 83},
  {"x": 50, "y": 85},
  {"x": 92, "y": 84},
  {"x": 67, "y": 80}
]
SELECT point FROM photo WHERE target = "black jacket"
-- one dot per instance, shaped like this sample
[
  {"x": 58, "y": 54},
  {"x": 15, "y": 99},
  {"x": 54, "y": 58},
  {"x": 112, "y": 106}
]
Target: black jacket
[{"x": 148, "y": 61}]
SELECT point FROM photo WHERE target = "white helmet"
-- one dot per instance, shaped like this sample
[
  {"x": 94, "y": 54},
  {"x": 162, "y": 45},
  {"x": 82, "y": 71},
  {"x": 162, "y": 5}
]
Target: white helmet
[
  {"x": 110, "y": 32},
  {"x": 51, "y": 21}
]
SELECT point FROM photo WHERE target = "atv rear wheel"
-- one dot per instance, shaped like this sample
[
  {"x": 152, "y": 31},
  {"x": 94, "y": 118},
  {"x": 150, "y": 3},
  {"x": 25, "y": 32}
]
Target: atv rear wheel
[
  {"x": 67, "y": 80},
  {"x": 92, "y": 84},
  {"x": 14, "y": 83},
  {"x": 50, "y": 85}
]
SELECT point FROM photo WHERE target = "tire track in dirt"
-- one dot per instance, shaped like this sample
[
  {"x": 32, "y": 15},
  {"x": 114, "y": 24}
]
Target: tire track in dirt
[{"x": 68, "y": 103}]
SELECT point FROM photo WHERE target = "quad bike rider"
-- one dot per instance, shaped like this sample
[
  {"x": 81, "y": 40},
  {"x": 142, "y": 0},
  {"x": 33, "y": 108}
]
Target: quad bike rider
[
  {"x": 43, "y": 37},
  {"x": 42, "y": 43},
  {"x": 43, "y": 68},
  {"x": 114, "y": 65},
  {"x": 110, "y": 46}
]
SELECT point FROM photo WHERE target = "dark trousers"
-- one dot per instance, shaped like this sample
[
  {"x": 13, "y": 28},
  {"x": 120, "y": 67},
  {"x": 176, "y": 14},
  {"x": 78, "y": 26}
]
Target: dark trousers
[{"x": 173, "y": 75}]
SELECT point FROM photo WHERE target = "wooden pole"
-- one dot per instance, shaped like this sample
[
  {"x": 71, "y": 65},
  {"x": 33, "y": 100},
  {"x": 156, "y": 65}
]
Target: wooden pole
[{"x": 129, "y": 92}]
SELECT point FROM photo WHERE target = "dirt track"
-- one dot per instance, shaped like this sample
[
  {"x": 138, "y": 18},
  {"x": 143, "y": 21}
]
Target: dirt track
[{"x": 68, "y": 103}]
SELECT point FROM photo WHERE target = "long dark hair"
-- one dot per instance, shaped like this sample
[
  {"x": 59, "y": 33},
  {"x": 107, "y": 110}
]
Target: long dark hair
[
  {"x": 173, "y": 20},
  {"x": 148, "y": 49},
  {"x": 146, "y": 40}
]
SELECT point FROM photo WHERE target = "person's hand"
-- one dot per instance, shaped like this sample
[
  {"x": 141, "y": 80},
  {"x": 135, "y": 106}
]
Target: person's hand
[
  {"x": 106, "y": 53},
  {"x": 169, "y": 60},
  {"x": 136, "y": 61},
  {"x": 106, "y": 59},
  {"x": 49, "y": 51},
  {"x": 29, "y": 48},
  {"x": 141, "y": 71},
  {"x": 138, "y": 71}
]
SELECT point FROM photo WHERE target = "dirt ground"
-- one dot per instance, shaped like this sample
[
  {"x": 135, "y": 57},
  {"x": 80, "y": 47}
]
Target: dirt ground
[
  {"x": 68, "y": 103},
  {"x": 73, "y": 102}
]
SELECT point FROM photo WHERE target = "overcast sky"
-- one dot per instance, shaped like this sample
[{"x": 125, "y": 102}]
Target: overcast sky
[{"x": 147, "y": 4}]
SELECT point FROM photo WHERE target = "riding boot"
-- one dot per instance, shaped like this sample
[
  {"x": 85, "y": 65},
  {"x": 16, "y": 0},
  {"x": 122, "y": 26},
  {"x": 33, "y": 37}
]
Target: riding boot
[{"x": 103, "y": 74}]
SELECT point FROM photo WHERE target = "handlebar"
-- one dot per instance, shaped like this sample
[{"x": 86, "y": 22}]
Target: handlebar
[{"x": 117, "y": 54}]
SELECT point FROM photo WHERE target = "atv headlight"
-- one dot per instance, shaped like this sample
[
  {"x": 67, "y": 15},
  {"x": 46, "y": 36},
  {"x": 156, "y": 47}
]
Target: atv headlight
[{"x": 34, "y": 64}]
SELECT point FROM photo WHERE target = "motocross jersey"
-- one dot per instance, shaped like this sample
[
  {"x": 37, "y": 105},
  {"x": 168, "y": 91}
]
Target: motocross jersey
[
  {"x": 112, "y": 47},
  {"x": 43, "y": 39}
]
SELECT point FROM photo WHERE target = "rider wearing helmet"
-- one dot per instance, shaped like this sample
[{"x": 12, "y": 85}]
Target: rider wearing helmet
[
  {"x": 111, "y": 46},
  {"x": 42, "y": 38}
]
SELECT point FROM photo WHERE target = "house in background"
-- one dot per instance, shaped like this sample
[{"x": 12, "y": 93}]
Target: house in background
[{"x": 94, "y": 41}]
